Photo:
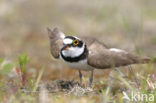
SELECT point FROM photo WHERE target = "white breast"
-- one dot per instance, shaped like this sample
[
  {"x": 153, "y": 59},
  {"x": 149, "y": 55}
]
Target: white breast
[{"x": 81, "y": 65}]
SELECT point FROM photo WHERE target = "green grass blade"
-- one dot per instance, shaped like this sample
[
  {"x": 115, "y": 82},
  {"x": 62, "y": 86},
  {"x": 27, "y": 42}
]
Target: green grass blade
[{"x": 38, "y": 79}]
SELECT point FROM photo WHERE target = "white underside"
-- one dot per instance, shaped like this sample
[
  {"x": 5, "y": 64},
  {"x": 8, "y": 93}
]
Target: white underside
[{"x": 81, "y": 65}]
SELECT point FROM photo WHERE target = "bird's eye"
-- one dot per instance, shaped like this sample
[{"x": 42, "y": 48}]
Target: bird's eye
[{"x": 75, "y": 42}]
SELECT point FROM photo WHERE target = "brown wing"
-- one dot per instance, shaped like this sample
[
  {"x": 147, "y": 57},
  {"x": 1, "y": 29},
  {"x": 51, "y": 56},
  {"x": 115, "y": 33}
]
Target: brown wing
[
  {"x": 56, "y": 41},
  {"x": 90, "y": 41},
  {"x": 101, "y": 57}
]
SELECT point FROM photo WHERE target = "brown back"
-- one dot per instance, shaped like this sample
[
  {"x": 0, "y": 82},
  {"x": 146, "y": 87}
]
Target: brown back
[{"x": 101, "y": 57}]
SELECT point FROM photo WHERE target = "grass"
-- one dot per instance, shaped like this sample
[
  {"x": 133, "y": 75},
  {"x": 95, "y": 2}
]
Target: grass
[{"x": 22, "y": 87}]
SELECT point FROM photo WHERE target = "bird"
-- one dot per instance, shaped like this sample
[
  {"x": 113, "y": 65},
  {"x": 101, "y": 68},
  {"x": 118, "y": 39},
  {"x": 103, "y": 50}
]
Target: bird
[{"x": 85, "y": 53}]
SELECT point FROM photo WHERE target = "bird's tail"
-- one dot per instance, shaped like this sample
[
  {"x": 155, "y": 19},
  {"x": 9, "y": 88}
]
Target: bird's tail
[{"x": 148, "y": 60}]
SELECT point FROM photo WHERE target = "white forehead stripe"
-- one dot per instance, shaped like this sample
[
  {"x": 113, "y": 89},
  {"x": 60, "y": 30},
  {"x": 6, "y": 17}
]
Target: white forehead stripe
[
  {"x": 116, "y": 50},
  {"x": 67, "y": 41}
]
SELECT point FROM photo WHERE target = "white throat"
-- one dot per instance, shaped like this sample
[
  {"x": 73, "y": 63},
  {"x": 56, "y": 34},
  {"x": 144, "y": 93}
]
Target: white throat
[{"x": 73, "y": 51}]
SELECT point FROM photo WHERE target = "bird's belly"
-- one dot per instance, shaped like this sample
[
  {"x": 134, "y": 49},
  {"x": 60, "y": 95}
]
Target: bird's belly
[{"x": 81, "y": 65}]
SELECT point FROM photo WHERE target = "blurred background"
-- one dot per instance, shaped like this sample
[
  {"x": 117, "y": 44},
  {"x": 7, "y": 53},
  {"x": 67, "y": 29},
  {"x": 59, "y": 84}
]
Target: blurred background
[{"x": 126, "y": 24}]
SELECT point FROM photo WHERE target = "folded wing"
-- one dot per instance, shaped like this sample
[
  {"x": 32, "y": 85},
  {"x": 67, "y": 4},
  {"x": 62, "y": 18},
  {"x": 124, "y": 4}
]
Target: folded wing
[
  {"x": 101, "y": 57},
  {"x": 56, "y": 41}
]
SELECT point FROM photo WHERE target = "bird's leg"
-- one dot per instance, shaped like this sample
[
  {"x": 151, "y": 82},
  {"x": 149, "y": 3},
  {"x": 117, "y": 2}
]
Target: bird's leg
[
  {"x": 91, "y": 78},
  {"x": 80, "y": 76},
  {"x": 136, "y": 80},
  {"x": 118, "y": 71}
]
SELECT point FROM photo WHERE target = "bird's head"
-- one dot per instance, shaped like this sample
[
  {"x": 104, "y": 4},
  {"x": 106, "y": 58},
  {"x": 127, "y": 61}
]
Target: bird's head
[{"x": 73, "y": 47}]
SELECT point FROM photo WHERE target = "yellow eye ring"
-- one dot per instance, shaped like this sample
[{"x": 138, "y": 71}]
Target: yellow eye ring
[{"x": 75, "y": 42}]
